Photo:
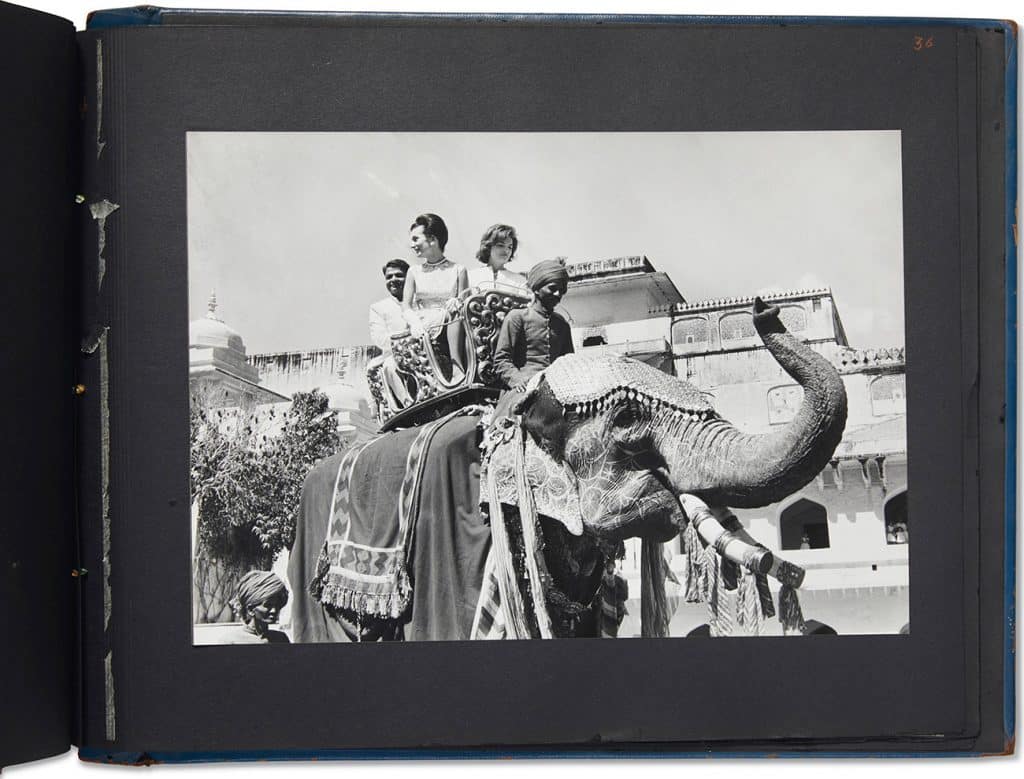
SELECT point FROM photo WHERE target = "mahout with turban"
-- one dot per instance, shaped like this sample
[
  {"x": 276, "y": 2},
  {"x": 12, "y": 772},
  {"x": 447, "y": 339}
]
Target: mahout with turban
[{"x": 546, "y": 272}]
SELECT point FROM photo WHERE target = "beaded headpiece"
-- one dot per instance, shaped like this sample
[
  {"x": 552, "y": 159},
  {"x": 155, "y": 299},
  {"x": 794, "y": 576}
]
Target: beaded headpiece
[{"x": 589, "y": 383}]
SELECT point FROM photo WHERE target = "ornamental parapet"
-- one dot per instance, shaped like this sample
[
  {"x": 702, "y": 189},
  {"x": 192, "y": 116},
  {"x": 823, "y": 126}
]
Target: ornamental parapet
[
  {"x": 879, "y": 359},
  {"x": 745, "y": 300}
]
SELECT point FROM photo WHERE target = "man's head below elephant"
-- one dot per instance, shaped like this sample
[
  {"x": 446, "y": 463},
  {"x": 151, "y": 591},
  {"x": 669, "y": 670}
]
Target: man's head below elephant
[{"x": 635, "y": 437}]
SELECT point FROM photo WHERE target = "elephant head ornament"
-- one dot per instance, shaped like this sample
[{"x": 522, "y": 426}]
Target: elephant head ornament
[{"x": 634, "y": 438}]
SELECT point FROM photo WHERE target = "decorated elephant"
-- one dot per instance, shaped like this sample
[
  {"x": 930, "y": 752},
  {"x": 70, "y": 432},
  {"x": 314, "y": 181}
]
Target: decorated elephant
[{"x": 500, "y": 523}]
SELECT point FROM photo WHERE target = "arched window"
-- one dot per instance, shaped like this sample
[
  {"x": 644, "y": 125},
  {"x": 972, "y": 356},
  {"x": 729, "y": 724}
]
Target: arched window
[
  {"x": 897, "y": 528},
  {"x": 693, "y": 330},
  {"x": 794, "y": 318},
  {"x": 733, "y": 327},
  {"x": 889, "y": 395},
  {"x": 804, "y": 525},
  {"x": 784, "y": 402}
]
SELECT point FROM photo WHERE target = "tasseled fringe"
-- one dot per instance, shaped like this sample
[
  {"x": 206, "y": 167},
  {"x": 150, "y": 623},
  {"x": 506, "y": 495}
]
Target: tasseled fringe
[
  {"x": 390, "y": 606},
  {"x": 533, "y": 551},
  {"x": 488, "y": 619},
  {"x": 790, "y": 614},
  {"x": 720, "y": 620},
  {"x": 513, "y": 611},
  {"x": 749, "y": 614},
  {"x": 332, "y": 593},
  {"x": 654, "y": 611},
  {"x": 764, "y": 595},
  {"x": 730, "y": 574},
  {"x": 709, "y": 581},
  {"x": 738, "y": 601},
  {"x": 588, "y": 408},
  {"x": 693, "y": 569}
]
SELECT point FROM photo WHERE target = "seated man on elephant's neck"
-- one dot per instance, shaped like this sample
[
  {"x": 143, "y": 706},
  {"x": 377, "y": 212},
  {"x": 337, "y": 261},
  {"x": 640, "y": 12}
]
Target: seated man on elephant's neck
[{"x": 532, "y": 338}]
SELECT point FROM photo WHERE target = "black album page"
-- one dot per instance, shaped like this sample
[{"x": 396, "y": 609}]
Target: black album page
[{"x": 646, "y": 209}]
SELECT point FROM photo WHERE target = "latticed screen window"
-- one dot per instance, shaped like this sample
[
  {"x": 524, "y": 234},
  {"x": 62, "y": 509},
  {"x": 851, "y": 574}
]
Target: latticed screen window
[
  {"x": 889, "y": 395},
  {"x": 736, "y": 326},
  {"x": 783, "y": 403},
  {"x": 690, "y": 331},
  {"x": 794, "y": 318}
]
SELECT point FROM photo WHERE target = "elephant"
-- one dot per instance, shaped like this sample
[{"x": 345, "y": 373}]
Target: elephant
[{"x": 599, "y": 449}]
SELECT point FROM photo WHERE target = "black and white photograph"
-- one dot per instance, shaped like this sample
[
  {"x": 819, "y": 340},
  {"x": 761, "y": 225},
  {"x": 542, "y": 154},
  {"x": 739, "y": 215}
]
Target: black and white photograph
[
  {"x": 443, "y": 327},
  {"x": 461, "y": 386}
]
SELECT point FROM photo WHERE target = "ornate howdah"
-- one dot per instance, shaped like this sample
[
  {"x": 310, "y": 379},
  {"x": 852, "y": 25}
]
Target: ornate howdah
[
  {"x": 426, "y": 368},
  {"x": 484, "y": 312}
]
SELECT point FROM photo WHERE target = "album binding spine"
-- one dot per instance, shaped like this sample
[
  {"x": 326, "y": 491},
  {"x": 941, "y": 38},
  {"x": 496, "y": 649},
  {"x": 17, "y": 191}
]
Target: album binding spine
[
  {"x": 102, "y": 212},
  {"x": 37, "y": 66}
]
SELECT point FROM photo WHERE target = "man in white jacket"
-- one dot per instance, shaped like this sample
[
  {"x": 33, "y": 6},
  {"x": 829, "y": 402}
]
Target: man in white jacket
[{"x": 387, "y": 319}]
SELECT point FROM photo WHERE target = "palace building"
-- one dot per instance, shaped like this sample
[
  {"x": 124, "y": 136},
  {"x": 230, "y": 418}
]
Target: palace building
[{"x": 848, "y": 528}]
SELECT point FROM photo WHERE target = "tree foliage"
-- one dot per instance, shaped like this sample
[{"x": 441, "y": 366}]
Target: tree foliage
[{"x": 247, "y": 469}]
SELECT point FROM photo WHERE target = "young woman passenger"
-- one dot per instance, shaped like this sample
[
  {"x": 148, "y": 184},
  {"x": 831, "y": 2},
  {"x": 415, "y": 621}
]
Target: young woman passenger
[{"x": 497, "y": 248}]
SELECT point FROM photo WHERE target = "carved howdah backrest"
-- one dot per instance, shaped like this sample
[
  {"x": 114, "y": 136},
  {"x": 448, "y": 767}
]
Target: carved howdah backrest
[
  {"x": 416, "y": 357},
  {"x": 480, "y": 314},
  {"x": 484, "y": 311},
  {"x": 382, "y": 401}
]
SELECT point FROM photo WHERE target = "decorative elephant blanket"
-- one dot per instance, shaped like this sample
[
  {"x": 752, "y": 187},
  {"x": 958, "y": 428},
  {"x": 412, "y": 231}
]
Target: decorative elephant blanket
[{"x": 405, "y": 537}]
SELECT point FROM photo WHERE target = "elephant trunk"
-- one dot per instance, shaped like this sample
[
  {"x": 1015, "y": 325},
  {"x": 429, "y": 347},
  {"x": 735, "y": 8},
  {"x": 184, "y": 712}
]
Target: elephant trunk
[{"x": 713, "y": 459}]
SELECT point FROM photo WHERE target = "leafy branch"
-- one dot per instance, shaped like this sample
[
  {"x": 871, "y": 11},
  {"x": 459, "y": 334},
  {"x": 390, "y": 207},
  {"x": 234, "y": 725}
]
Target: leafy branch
[{"x": 247, "y": 470}]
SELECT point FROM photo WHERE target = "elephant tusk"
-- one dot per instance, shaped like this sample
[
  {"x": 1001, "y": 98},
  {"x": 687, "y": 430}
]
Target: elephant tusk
[{"x": 720, "y": 528}]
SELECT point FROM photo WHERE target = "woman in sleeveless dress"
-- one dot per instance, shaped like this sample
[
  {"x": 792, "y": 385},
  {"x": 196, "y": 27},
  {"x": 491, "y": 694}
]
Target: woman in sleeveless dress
[{"x": 429, "y": 287}]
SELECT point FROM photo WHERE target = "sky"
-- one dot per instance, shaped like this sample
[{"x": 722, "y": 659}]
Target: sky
[{"x": 291, "y": 229}]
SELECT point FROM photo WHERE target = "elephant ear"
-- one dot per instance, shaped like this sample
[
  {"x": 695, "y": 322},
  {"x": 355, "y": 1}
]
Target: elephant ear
[{"x": 555, "y": 489}]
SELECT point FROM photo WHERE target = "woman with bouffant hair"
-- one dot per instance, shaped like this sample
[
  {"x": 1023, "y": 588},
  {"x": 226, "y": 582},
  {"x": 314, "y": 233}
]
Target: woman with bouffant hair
[{"x": 497, "y": 248}]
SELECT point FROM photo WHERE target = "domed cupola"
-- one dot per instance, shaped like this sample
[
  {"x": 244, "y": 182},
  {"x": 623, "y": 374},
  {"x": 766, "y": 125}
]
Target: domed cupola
[
  {"x": 210, "y": 332},
  {"x": 217, "y": 361}
]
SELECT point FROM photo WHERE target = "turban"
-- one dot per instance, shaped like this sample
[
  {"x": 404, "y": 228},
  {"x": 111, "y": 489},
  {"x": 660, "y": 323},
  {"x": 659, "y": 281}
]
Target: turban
[
  {"x": 257, "y": 587},
  {"x": 545, "y": 272}
]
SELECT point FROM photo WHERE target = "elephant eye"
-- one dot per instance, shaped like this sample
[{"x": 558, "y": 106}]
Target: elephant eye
[
  {"x": 627, "y": 431},
  {"x": 625, "y": 416}
]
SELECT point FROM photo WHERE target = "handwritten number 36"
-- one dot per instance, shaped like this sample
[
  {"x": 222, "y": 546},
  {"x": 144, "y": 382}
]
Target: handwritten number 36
[{"x": 923, "y": 43}]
